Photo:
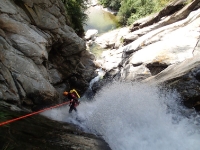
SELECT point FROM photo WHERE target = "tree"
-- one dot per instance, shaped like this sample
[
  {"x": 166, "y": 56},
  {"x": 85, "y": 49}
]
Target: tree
[
  {"x": 113, "y": 4},
  {"x": 132, "y": 10},
  {"x": 76, "y": 11}
]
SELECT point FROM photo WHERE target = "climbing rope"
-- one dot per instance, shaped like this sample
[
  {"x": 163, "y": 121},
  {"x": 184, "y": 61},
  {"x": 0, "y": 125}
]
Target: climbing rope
[{"x": 34, "y": 113}]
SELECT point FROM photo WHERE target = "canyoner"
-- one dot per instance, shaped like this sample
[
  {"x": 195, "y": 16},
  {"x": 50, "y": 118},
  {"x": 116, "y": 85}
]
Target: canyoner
[
  {"x": 72, "y": 101},
  {"x": 73, "y": 97}
]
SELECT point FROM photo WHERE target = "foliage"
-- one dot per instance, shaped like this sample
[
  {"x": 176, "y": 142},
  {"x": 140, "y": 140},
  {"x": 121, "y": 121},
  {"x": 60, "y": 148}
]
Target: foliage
[
  {"x": 76, "y": 11},
  {"x": 113, "y": 4},
  {"x": 128, "y": 10},
  {"x": 131, "y": 10},
  {"x": 188, "y": 1},
  {"x": 159, "y": 4},
  {"x": 143, "y": 8}
]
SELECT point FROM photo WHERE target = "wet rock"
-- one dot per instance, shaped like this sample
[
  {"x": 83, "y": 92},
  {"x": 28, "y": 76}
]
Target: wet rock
[
  {"x": 183, "y": 78},
  {"x": 38, "y": 132},
  {"x": 198, "y": 76}
]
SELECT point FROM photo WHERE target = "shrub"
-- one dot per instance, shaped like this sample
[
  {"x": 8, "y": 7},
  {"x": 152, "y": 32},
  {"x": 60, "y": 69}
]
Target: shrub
[
  {"x": 76, "y": 11},
  {"x": 113, "y": 4},
  {"x": 132, "y": 10}
]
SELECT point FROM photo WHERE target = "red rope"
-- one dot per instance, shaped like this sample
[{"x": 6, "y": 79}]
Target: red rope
[{"x": 31, "y": 114}]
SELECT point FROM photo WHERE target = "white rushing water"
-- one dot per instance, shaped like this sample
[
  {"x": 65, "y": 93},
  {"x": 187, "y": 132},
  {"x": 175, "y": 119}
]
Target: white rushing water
[{"x": 136, "y": 117}]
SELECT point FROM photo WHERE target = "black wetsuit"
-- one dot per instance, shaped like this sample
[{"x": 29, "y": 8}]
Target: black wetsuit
[
  {"x": 74, "y": 102},
  {"x": 73, "y": 105}
]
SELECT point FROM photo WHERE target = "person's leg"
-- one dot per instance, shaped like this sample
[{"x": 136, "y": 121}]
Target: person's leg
[
  {"x": 70, "y": 109},
  {"x": 75, "y": 109}
]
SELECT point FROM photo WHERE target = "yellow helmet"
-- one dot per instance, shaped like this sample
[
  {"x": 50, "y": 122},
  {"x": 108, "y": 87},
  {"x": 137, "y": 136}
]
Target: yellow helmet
[
  {"x": 74, "y": 91},
  {"x": 65, "y": 93}
]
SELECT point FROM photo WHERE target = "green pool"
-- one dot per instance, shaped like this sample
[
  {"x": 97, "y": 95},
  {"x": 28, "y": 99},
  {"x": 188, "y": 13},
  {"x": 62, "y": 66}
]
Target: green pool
[{"x": 101, "y": 20}]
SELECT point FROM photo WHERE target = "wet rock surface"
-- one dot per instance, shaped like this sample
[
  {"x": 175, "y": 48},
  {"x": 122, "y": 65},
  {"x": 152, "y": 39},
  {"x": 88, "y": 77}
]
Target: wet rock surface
[{"x": 39, "y": 132}]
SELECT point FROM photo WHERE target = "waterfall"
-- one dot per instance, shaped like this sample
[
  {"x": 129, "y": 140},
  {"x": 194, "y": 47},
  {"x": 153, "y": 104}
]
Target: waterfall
[
  {"x": 100, "y": 75},
  {"x": 133, "y": 116},
  {"x": 89, "y": 93}
]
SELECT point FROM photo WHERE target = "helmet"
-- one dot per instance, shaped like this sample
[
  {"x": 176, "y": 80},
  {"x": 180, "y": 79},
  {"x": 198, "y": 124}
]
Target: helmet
[{"x": 65, "y": 93}]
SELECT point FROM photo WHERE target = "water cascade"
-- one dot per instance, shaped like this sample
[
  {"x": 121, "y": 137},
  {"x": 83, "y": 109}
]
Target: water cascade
[
  {"x": 133, "y": 116},
  {"x": 89, "y": 92}
]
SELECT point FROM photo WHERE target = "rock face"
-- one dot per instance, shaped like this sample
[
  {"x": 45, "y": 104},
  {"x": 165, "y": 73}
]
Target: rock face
[
  {"x": 40, "y": 54},
  {"x": 163, "y": 48},
  {"x": 38, "y": 132}
]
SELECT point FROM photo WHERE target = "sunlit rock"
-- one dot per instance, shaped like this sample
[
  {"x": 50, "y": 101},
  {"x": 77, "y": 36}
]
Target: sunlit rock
[
  {"x": 137, "y": 73},
  {"x": 167, "y": 45},
  {"x": 112, "y": 39},
  {"x": 90, "y": 34}
]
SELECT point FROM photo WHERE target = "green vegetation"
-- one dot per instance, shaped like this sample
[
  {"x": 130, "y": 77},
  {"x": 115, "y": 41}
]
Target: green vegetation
[
  {"x": 76, "y": 11},
  {"x": 188, "y": 1},
  {"x": 113, "y": 4},
  {"x": 131, "y": 10},
  {"x": 128, "y": 10}
]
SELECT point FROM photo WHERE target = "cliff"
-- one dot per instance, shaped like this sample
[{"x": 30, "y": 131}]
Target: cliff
[
  {"x": 40, "y": 57},
  {"x": 40, "y": 54}
]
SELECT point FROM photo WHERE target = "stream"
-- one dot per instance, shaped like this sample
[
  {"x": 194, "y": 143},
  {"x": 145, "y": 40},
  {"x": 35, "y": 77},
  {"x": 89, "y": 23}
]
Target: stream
[{"x": 101, "y": 20}]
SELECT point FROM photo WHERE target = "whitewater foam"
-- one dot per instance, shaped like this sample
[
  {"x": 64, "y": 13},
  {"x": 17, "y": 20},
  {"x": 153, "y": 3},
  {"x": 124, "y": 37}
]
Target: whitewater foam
[{"x": 132, "y": 116}]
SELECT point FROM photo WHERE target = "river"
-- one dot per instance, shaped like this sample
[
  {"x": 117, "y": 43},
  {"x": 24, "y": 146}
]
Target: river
[
  {"x": 136, "y": 117},
  {"x": 100, "y": 19}
]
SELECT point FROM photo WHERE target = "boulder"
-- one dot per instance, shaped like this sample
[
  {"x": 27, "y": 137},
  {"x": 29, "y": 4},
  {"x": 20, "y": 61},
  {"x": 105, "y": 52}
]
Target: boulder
[
  {"x": 170, "y": 9},
  {"x": 158, "y": 48},
  {"x": 163, "y": 53},
  {"x": 172, "y": 13},
  {"x": 112, "y": 39},
  {"x": 90, "y": 34},
  {"x": 184, "y": 77},
  {"x": 138, "y": 73}
]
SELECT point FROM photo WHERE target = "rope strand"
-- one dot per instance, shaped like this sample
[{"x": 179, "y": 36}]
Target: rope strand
[{"x": 31, "y": 114}]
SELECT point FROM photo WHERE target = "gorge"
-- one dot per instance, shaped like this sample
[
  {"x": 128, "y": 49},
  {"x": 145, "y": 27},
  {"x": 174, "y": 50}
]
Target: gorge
[{"x": 153, "y": 66}]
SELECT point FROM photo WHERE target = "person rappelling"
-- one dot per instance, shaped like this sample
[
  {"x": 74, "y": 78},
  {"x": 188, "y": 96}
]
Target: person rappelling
[{"x": 72, "y": 97}]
